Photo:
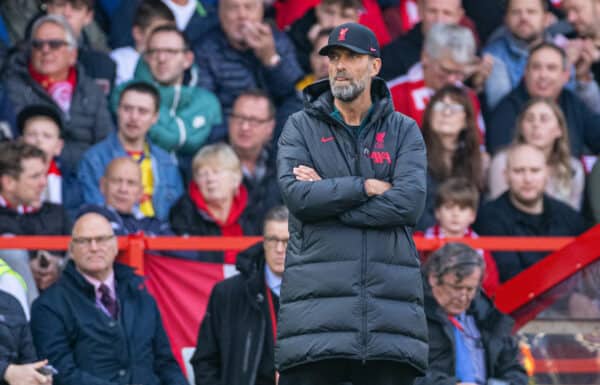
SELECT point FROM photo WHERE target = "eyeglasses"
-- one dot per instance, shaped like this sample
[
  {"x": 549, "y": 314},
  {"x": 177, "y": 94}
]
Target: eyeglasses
[
  {"x": 252, "y": 121},
  {"x": 452, "y": 108},
  {"x": 459, "y": 289},
  {"x": 52, "y": 44},
  {"x": 154, "y": 52},
  {"x": 87, "y": 241},
  {"x": 274, "y": 241}
]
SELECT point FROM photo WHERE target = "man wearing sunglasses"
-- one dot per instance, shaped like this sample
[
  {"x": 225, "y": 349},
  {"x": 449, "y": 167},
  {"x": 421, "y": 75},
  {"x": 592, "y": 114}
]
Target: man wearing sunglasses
[
  {"x": 47, "y": 74},
  {"x": 470, "y": 341},
  {"x": 98, "y": 324},
  {"x": 80, "y": 14}
]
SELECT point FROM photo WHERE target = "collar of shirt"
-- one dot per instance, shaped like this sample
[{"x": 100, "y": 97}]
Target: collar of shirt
[
  {"x": 110, "y": 282},
  {"x": 273, "y": 280},
  {"x": 337, "y": 115},
  {"x": 260, "y": 169}
]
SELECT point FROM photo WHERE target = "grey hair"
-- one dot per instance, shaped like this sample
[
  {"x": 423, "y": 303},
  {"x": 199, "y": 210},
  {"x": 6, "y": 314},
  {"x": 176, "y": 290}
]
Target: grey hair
[
  {"x": 455, "y": 258},
  {"x": 61, "y": 22},
  {"x": 454, "y": 40}
]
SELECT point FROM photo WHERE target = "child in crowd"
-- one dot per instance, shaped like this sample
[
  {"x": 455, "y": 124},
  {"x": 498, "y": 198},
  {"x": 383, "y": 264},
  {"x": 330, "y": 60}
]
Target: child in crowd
[
  {"x": 455, "y": 211},
  {"x": 41, "y": 126}
]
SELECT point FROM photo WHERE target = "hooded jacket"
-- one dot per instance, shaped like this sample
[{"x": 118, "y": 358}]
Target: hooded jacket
[
  {"x": 235, "y": 343},
  {"x": 352, "y": 285}
]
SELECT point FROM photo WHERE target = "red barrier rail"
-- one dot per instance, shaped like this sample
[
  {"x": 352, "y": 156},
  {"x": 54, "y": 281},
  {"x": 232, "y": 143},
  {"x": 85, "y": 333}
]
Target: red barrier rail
[{"x": 511, "y": 296}]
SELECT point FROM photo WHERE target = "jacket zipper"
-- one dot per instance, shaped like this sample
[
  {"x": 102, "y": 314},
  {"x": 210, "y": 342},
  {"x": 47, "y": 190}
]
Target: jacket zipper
[
  {"x": 247, "y": 352},
  {"x": 258, "y": 355},
  {"x": 363, "y": 273}
]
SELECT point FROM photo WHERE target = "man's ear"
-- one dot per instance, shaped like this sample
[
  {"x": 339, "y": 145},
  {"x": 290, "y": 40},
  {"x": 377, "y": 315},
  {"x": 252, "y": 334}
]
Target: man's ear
[
  {"x": 188, "y": 59},
  {"x": 7, "y": 182},
  {"x": 375, "y": 66}
]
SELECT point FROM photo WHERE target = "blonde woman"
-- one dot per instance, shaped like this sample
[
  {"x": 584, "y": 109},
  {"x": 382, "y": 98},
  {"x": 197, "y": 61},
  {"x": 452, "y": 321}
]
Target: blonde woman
[
  {"x": 216, "y": 201},
  {"x": 543, "y": 125}
]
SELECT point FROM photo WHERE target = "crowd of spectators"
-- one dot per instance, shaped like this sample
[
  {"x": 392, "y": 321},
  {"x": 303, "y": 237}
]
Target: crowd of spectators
[{"x": 163, "y": 116}]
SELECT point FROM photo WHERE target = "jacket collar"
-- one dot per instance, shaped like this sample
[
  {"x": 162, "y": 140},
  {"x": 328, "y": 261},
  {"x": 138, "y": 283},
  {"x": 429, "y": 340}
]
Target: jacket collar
[
  {"x": 124, "y": 278},
  {"x": 318, "y": 101}
]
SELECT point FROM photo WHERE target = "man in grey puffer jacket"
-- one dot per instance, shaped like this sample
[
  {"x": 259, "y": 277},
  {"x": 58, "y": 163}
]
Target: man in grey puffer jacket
[{"x": 353, "y": 174}]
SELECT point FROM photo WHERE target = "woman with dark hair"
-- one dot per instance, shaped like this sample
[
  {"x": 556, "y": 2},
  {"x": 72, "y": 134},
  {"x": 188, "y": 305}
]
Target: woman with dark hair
[{"x": 453, "y": 144}]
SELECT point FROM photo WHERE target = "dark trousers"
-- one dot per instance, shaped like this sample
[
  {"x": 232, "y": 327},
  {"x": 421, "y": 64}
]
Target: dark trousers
[{"x": 341, "y": 372}]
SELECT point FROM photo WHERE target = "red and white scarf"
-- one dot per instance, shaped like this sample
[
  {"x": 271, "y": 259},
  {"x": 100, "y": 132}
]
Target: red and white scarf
[{"x": 61, "y": 91}]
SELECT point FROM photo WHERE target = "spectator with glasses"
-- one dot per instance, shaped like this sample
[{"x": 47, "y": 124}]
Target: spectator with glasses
[
  {"x": 188, "y": 113},
  {"x": 98, "y": 324},
  {"x": 48, "y": 74},
  {"x": 453, "y": 145},
  {"x": 241, "y": 318},
  {"x": 162, "y": 185},
  {"x": 470, "y": 341},
  {"x": 216, "y": 202},
  {"x": 251, "y": 125}
]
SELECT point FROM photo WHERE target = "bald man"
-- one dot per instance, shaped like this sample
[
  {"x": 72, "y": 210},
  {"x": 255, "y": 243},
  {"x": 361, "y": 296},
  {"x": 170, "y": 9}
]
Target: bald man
[
  {"x": 97, "y": 325},
  {"x": 122, "y": 189},
  {"x": 525, "y": 210}
]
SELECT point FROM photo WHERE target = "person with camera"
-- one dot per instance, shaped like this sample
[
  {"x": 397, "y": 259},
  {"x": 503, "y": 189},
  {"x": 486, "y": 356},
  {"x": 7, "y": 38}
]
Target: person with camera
[{"x": 470, "y": 341}]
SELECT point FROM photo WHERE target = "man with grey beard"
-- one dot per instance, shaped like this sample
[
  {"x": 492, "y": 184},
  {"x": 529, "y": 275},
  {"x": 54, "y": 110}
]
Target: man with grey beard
[{"x": 352, "y": 173}]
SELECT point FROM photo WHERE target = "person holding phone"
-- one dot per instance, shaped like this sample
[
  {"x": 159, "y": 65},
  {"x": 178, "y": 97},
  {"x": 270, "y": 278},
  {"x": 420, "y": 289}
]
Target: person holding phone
[{"x": 18, "y": 360}]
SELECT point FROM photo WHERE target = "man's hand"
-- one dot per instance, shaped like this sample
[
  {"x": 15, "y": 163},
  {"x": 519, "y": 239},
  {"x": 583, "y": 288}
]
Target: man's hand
[
  {"x": 45, "y": 270},
  {"x": 27, "y": 374},
  {"x": 306, "y": 174},
  {"x": 259, "y": 37},
  {"x": 376, "y": 187},
  {"x": 480, "y": 71},
  {"x": 588, "y": 54}
]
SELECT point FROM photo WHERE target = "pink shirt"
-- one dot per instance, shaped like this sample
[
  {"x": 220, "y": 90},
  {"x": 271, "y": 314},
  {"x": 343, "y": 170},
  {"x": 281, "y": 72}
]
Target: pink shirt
[{"x": 110, "y": 282}]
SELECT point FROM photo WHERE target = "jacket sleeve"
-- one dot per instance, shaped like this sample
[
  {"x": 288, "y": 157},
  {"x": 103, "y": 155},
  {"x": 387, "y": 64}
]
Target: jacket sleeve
[
  {"x": 104, "y": 123},
  {"x": 312, "y": 201},
  {"x": 403, "y": 204},
  {"x": 591, "y": 129},
  {"x": 206, "y": 360},
  {"x": 498, "y": 84},
  {"x": 51, "y": 340},
  {"x": 165, "y": 365},
  {"x": 507, "y": 365},
  {"x": 88, "y": 175},
  {"x": 501, "y": 125},
  {"x": 281, "y": 79}
]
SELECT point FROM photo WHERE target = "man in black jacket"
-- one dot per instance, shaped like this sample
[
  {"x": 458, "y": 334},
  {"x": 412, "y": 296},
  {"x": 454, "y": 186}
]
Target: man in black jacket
[
  {"x": 469, "y": 339},
  {"x": 237, "y": 336},
  {"x": 352, "y": 173},
  {"x": 98, "y": 325},
  {"x": 18, "y": 364},
  {"x": 525, "y": 210}
]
